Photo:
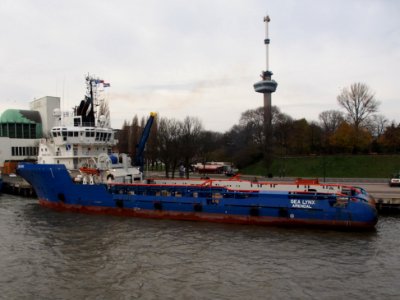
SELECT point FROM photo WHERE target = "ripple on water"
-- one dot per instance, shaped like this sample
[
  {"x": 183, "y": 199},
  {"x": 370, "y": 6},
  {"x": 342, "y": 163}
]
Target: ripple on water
[{"x": 51, "y": 255}]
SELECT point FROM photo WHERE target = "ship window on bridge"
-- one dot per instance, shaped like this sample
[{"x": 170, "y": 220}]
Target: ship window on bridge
[
  {"x": 77, "y": 121},
  {"x": 76, "y": 133},
  {"x": 70, "y": 133},
  {"x": 97, "y": 136}
]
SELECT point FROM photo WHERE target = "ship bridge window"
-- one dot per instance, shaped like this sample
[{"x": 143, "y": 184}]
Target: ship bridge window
[
  {"x": 77, "y": 121},
  {"x": 64, "y": 133},
  {"x": 70, "y": 133},
  {"x": 76, "y": 133},
  {"x": 89, "y": 133},
  {"x": 97, "y": 136}
]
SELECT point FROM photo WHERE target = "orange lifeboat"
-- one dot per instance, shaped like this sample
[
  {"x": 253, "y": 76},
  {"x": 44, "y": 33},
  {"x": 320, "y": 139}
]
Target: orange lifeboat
[{"x": 89, "y": 171}]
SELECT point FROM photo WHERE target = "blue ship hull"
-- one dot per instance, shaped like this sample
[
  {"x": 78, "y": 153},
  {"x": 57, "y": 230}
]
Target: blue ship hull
[{"x": 55, "y": 189}]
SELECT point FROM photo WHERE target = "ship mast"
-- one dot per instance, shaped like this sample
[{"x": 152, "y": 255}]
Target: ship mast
[{"x": 88, "y": 108}]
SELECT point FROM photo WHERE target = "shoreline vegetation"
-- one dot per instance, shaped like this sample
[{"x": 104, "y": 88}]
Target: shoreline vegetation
[{"x": 336, "y": 166}]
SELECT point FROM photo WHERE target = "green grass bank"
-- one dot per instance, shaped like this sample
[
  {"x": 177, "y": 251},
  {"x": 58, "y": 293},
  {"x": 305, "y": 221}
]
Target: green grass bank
[{"x": 343, "y": 166}]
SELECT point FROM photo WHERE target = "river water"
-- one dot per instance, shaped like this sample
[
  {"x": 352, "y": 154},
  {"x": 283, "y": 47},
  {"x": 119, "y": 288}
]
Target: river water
[{"x": 50, "y": 255}]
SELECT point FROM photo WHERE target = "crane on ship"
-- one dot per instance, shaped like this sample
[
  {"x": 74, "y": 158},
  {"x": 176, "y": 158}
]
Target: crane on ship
[{"x": 139, "y": 158}]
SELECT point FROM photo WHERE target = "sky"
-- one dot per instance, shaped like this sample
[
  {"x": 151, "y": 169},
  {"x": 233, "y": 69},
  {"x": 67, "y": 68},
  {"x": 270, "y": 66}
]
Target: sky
[{"x": 199, "y": 58}]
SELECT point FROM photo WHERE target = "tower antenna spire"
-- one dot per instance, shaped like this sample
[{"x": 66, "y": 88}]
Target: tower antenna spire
[{"x": 266, "y": 41}]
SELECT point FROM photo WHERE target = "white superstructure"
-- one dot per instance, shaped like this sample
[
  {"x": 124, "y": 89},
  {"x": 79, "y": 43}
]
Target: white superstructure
[{"x": 82, "y": 140}]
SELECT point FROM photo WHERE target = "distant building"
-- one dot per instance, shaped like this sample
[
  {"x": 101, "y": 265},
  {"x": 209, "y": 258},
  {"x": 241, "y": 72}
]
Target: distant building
[{"x": 21, "y": 130}]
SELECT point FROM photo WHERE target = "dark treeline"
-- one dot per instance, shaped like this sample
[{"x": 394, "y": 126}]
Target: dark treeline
[
  {"x": 357, "y": 130},
  {"x": 171, "y": 143}
]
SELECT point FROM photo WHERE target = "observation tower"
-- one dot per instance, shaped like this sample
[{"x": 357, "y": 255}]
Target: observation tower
[{"x": 267, "y": 86}]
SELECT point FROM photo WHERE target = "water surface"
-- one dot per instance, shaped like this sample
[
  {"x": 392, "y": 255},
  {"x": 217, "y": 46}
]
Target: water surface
[{"x": 50, "y": 255}]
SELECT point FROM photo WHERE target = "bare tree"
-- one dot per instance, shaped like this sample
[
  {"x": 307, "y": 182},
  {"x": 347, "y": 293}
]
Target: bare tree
[
  {"x": 377, "y": 124},
  {"x": 359, "y": 102},
  {"x": 122, "y": 136},
  {"x": 133, "y": 136},
  {"x": 168, "y": 134},
  {"x": 283, "y": 125},
  {"x": 191, "y": 130},
  {"x": 252, "y": 122},
  {"x": 331, "y": 120},
  {"x": 212, "y": 146}
]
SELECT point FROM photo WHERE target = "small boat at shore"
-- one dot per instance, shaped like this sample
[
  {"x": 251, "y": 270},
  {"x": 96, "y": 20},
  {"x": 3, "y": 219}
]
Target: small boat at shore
[{"x": 199, "y": 202}]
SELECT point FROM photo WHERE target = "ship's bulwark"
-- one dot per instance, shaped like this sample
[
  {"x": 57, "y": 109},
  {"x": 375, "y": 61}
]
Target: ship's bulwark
[{"x": 56, "y": 190}]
